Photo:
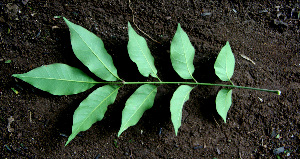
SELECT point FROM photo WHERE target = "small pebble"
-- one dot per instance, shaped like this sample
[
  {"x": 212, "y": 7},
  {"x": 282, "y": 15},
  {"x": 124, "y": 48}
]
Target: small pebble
[
  {"x": 159, "y": 133},
  {"x": 205, "y": 14},
  {"x": 218, "y": 150},
  {"x": 64, "y": 135},
  {"x": 25, "y": 2},
  {"x": 168, "y": 17},
  {"x": 98, "y": 156},
  {"x": 278, "y": 150},
  {"x": 197, "y": 147}
]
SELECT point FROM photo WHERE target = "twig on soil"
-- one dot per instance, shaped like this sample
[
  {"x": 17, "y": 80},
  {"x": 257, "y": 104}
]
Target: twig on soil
[
  {"x": 216, "y": 121},
  {"x": 247, "y": 58},
  {"x": 30, "y": 120},
  {"x": 137, "y": 26},
  {"x": 249, "y": 132}
]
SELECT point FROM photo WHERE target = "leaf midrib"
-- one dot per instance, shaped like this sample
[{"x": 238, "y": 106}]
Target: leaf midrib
[
  {"x": 96, "y": 108},
  {"x": 139, "y": 46},
  {"x": 186, "y": 62},
  {"x": 66, "y": 80},
  {"x": 226, "y": 100},
  {"x": 225, "y": 68},
  {"x": 95, "y": 53},
  {"x": 139, "y": 107},
  {"x": 183, "y": 101}
]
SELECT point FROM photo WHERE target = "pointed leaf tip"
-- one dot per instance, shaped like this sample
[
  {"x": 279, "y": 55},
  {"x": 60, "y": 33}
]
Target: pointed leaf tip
[
  {"x": 58, "y": 79},
  {"x": 180, "y": 96},
  {"x": 182, "y": 54},
  {"x": 224, "y": 65},
  {"x": 223, "y": 102},
  {"x": 90, "y": 50},
  {"x": 92, "y": 109},
  {"x": 140, "y": 101},
  {"x": 140, "y": 54}
]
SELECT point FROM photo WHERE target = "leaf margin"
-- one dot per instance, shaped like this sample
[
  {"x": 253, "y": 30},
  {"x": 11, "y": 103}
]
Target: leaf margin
[
  {"x": 134, "y": 40},
  {"x": 49, "y": 85},
  {"x": 187, "y": 48},
  {"x": 107, "y": 63},
  {"x": 224, "y": 69},
  {"x": 224, "y": 102},
  {"x": 152, "y": 91},
  {"x": 111, "y": 96},
  {"x": 173, "y": 104}
]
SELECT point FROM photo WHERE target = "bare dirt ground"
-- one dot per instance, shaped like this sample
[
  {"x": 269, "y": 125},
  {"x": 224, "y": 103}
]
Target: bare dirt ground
[{"x": 259, "y": 124}]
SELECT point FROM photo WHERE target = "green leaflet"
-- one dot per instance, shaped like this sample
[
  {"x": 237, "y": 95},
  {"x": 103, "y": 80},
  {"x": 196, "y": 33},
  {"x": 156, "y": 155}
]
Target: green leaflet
[
  {"x": 223, "y": 102},
  {"x": 180, "y": 96},
  {"x": 182, "y": 54},
  {"x": 58, "y": 79},
  {"x": 89, "y": 49},
  {"x": 224, "y": 65},
  {"x": 61, "y": 79},
  {"x": 92, "y": 109},
  {"x": 140, "y": 54},
  {"x": 140, "y": 101}
]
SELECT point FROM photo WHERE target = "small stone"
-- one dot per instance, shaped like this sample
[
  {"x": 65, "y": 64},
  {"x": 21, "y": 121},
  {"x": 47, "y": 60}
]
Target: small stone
[
  {"x": 197, "y": 147},
  {"x": 278, "y": 150},
  {"x": 273, "y": 134},
  {"x": 218, "y": 150},
  {"x": 25, "y": 2},
  {"x": 168, "y": 17}
]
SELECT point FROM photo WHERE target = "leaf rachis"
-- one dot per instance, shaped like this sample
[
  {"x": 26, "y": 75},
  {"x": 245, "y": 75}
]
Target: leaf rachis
[{"x": 61, "y": 79}]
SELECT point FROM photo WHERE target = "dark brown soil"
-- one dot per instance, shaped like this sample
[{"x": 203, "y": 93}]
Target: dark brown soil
[{"x": 257, "y": 124}]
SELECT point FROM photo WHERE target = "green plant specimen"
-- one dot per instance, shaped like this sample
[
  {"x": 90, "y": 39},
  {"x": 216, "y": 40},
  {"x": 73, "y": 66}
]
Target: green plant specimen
[
  {"x": 182, "y": 54},
  {"x": 180, "y": 96},
  {"x": 61, "y": 79}
]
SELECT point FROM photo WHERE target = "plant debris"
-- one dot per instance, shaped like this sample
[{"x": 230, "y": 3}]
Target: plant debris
[
  {"x": 7, "y": 61},
  {"x": 10, "y": 120},
  {"x": 247, "y": 58},
  {"x": 17, "y": 92}
]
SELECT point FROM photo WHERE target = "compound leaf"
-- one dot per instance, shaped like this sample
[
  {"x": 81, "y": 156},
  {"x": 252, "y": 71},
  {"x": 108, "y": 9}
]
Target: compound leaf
[
  {"x": 58, "y": 79},
  {"x": 92, "y": 109},
  {"x": 140, "y": 101},
  {"x": 182, "y": 54},
  {"x": 140, "y": 53},
  {"x": 223, "y": 102},
  {"x": 89, "y": 49},
  {"x": 180, "y": 96},
  {"x": 224, "y": 65}
]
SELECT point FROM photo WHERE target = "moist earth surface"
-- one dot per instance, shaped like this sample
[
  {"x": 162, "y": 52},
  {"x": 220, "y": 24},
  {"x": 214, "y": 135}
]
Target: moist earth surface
[{"x": 264, "y": 37}]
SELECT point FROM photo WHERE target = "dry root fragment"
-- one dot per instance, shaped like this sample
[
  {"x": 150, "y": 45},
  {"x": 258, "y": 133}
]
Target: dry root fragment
[
  {"x": 247, "y": 58},
  {"x": 10, "y": 120}
]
